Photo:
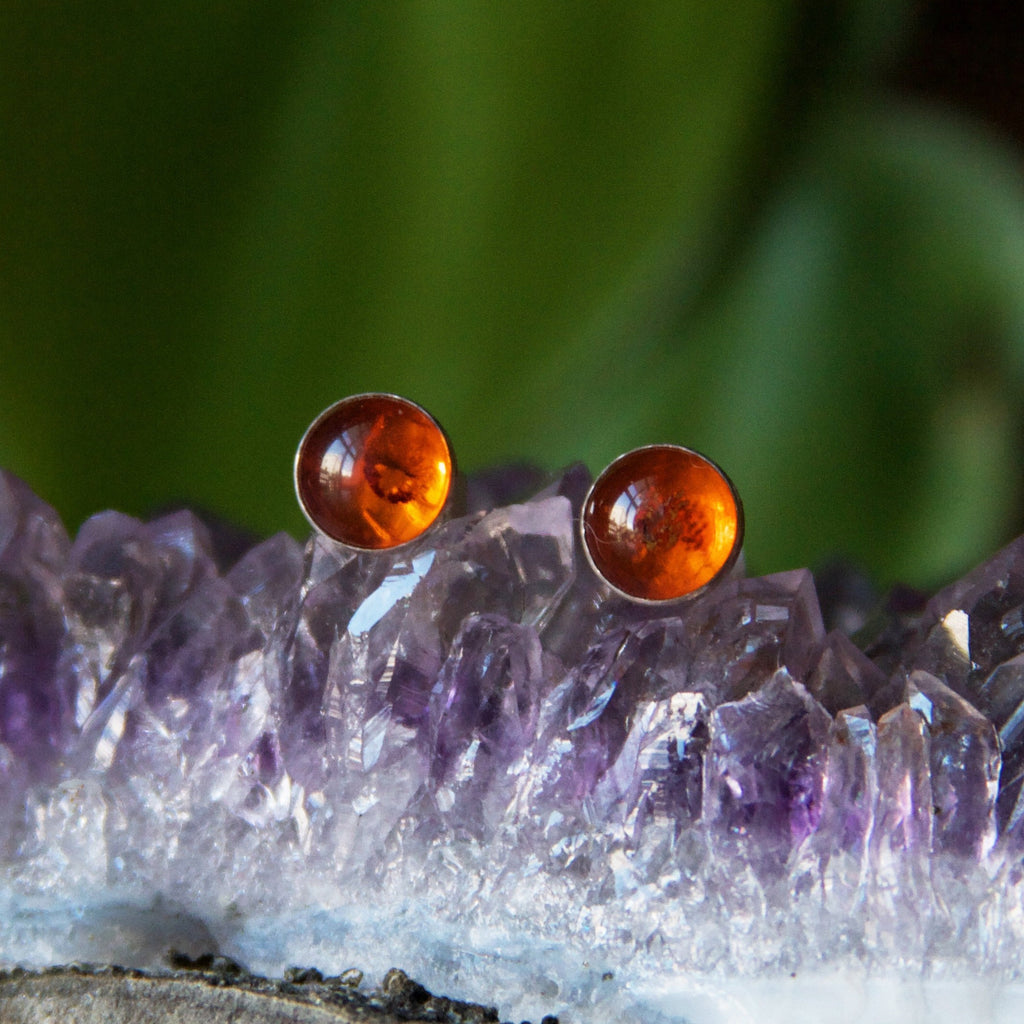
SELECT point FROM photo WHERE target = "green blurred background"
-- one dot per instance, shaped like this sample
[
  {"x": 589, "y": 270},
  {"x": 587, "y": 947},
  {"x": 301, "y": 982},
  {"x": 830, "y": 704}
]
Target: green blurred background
[{"x": 790, "y": 234}]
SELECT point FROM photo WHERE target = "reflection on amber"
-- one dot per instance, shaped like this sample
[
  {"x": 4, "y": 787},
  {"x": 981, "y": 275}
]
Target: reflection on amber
[
  {"x": 374, "y": 471},
  {"x": 661, "y": 523}
]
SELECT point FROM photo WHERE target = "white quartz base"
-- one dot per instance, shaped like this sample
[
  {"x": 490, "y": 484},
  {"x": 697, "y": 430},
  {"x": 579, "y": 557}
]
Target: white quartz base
[{"x": 835, "y": 998}]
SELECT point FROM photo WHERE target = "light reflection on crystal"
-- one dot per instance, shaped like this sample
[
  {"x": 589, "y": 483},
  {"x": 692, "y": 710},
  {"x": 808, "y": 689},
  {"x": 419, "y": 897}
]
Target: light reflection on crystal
[
  {"x": 849, "y": 807},
  {"x": 964, "y": 763},
  {"x": 395, "y": 588}
]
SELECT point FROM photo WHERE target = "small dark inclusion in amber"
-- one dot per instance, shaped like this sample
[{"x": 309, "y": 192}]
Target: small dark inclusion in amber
[
  {"x": 661, "y": 523},
  {"x": 373, "y": 471}
]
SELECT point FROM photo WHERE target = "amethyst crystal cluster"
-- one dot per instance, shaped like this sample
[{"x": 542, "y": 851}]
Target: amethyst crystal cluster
[{"x": 468, "y": 751}]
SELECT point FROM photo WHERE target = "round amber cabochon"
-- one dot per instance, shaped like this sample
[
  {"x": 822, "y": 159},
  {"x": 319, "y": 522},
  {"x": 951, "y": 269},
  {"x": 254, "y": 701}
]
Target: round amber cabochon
[
  {"x": 661, "y": 523},
  {"x": 373, "y": 471}
]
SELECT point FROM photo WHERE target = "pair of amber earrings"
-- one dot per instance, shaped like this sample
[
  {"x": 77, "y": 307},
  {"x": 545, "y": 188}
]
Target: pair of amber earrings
[{"x": 660, "y": 524}]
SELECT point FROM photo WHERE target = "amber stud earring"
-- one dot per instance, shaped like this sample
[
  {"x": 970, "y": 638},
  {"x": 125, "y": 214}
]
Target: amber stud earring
[
  {"x": 661, "y": 523},
  {"x": 374, "y": 472}
]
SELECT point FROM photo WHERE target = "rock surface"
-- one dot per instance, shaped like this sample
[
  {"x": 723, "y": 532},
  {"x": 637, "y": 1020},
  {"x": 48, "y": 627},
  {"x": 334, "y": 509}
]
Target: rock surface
[{"x": 220, "y": 994}]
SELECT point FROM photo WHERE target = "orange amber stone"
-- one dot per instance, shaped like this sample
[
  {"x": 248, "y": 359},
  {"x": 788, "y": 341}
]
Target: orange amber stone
[
  {"x": 661, "y": 522},
  {"x": 373, "y": 471}
]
